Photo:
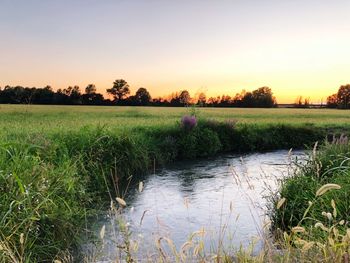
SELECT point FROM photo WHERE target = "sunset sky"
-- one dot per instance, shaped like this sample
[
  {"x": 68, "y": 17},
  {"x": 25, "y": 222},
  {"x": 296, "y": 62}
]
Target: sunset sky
[{"x": 299, "y": 47}]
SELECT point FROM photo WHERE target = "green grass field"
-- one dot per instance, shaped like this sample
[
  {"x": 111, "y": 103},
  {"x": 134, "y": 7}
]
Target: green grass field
[
  {"x": 27, "y": 118},
  {"x": 60, "y": 164}
]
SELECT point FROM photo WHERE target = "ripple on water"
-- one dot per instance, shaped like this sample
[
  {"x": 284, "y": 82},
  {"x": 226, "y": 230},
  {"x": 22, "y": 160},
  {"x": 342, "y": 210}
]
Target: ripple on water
[{"x": 225, "y": 191}]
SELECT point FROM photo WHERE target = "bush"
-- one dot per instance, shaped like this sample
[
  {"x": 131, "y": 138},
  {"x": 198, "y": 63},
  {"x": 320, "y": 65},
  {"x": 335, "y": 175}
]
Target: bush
[
  {"x": 225, "y": 132},
  {"x": 208, "y": 143},
  {"x": 187, "y": 145},
  {"x": 199, "y": 143}
]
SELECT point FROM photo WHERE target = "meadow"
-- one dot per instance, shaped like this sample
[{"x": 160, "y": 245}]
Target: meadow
[
  {"x": 31, "y": 118},
  {"x": 60, "y": 165}
]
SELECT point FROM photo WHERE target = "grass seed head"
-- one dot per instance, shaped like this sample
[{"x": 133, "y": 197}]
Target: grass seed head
[
  {"x": 281, "y": 202},
  {"x": 327, "y": 187},
  {"x": 121, "y": 201}
]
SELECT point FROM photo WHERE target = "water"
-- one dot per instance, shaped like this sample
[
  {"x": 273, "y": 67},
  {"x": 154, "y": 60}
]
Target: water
[{"x": 222, "y": 196}]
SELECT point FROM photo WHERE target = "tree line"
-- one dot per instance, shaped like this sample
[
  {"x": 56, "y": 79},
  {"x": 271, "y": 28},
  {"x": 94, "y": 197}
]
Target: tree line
[{"x": 120, "y": 93}]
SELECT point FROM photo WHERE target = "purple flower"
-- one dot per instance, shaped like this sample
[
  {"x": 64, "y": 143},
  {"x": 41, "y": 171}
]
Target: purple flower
[{"x": 188, "y": 122}]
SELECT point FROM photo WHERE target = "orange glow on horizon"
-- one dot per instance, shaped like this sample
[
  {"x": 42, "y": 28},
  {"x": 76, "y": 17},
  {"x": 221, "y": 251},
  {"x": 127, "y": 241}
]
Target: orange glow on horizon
[{"x": 297, "y": 48}]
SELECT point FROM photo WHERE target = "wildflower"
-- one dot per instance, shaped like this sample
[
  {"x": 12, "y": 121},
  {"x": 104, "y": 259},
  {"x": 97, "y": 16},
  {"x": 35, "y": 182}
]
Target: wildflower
[{"x": 188, "y": 122}]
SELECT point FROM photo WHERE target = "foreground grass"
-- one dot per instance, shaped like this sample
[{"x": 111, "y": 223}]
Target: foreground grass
[
  {"x": 312, "y": 210},
  {"x": 58, "y": 165},
  {"x": 330, "y": 165}
]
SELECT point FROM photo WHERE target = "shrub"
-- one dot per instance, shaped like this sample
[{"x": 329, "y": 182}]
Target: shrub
[
  {"x": 199, "y": 143},
  {"x": 187, "y": 145},
  {"x": 225, "y": 132},
  {"x": 208, "y": 142}
]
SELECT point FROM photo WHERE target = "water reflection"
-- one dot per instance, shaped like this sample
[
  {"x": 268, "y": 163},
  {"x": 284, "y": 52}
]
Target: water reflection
[{"x": 224, "y": 196}]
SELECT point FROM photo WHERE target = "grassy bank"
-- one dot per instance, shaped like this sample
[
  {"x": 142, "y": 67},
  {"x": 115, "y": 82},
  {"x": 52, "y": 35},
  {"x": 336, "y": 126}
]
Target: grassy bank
[
  {"x": 312, "y": 210},
  {"x": 59, "y": 164}
]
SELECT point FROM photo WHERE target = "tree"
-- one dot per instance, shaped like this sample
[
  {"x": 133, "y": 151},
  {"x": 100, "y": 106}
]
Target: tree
[
  {"x": 174, "y": 99},
  {"x": 202, "y": 99},
  {"x": 225, "y": 101},
  {"x": 184, "y": 98},
  {"x": 214, "y": 101},
  {"x": 142, "y": 96},
  {"x": 119, "y": 90},
  {"x": 90, "y": 89},
  {"x": 298, "y": 102},
  {"x": 263, "y": 98},
  {"x": 343, "y": 97},
  {"x": 332, "y": 101},
  {"x": 92, "y": 99},
  {"x": 43, "y": 96},
  {"x": 248, "y": 100},
  {"x": 237, "y": 99},
  {"x": 75, "y": 95}
]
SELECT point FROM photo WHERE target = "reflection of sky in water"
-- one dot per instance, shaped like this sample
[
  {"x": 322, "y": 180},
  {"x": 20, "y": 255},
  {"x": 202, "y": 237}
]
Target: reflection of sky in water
[{"x": 190, "y": 195}]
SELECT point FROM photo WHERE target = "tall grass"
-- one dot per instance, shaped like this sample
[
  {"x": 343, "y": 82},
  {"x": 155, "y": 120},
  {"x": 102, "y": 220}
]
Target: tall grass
[
  {"x": 54, "y": 176},
  {"x": 329, "y": 165},
  {"x": 312, "y": 211}
]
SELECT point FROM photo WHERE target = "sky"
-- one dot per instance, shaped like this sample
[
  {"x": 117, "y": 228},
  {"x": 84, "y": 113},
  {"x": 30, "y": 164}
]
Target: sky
[{"x": 296, "y": 47}]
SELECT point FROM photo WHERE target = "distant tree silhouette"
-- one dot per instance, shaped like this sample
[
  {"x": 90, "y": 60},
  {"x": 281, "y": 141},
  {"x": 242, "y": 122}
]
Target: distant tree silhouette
[
  {"x": 298, "y": 103},
  {"x": 160, "y": 102},
  {"x": 61, "y": 97},
  {"x": 343, "y": 97},
  {"x": 90, "y": 89},
  {"x": 307, "y": 102},
  {"x": 213, "y": 101},
  {"x": 119, "y": 90},
  {"x": 184, "y": 98},
  {"x": 75, "y": 95},
  {"x": 263, "y": 98},
  {"x": 72, "y": 95},
  {"x": 142, "y": 97},
  {"x": 202, "y": 99},
  {"x": 67, "y": 91},
  {"x": 332, "y": 101},
  {"x": 247, "y": 100},
  {"x": 91, "y": 97},
  {"x": 225, "y": 101},
  {"x": 237, "y": 99},
  {"x": 175, "y": 100},
  {"x": 301, "y": 102},
  {"x": 43, "y": 96}
]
